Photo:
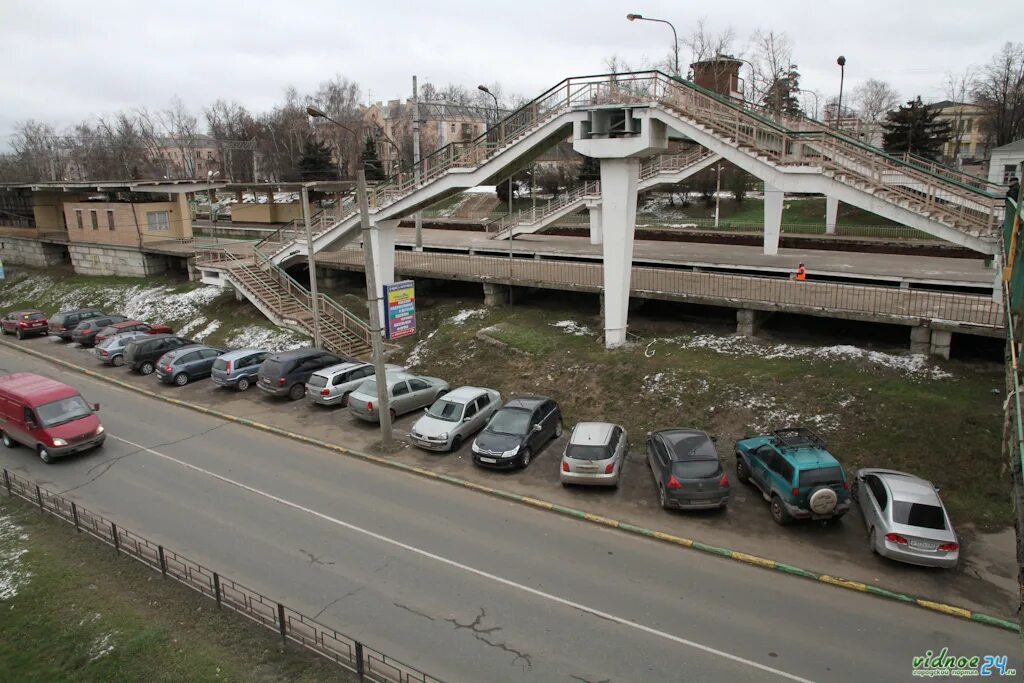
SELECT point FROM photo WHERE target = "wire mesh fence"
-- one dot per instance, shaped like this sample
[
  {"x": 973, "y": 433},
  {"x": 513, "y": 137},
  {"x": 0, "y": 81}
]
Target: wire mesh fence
[{"x": 350, "y": 654}]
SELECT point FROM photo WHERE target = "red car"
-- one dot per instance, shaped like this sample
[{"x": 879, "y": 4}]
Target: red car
[
  {"x": 131, "y": 326},
  {"x": 26, "y": 323}
]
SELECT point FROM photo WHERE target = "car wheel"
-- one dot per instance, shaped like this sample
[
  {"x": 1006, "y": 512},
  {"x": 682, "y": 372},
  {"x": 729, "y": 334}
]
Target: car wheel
[
  {"x": 527, "y": 456},
  {"x": 4, "y": 330},
  {"x": 20, "y": 335},
  {"x": 242, "y": 384},
  {"x": 117, "y": 361},
  {"x": 741, "y": 470},
  {"x": 181, "y": 379},
  {"x": 344, "y": 399},
  {"x": 662, "y": 497},
  {"x": 44, "y": 455},
  {"x": 296, "y": 392},
  {"x": 146, "y": 368},
  {"x": 558, "y": 430},
  {"x": 8, "y": 441},
  {"x": 456, "y": 443},
  {"x": 394, "y": 416},
  {"x": 779, "y": 513},
  {"x": 873, "y": 541}
]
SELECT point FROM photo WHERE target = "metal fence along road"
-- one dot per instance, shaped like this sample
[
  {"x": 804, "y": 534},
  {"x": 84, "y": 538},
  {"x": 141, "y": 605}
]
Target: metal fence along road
[
  {"x": 825, "y": 299},
  {"x": 345, "y": 651}
]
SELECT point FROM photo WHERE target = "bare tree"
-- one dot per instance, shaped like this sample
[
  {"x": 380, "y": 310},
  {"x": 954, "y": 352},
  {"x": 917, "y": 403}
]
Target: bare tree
[
  {"x": 36, "y": 149},
  {"x": 775, "y": 79},
  {"x": 958, "y": 90},
  {"x": 873, "y": 99},
  {"x": 705, "y": 44},
  {"x": 999, "y": 89}
]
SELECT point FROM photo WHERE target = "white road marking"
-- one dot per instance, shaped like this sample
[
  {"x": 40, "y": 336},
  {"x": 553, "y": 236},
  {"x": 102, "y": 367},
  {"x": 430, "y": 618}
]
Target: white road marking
[{"x": 472, "y": 570}]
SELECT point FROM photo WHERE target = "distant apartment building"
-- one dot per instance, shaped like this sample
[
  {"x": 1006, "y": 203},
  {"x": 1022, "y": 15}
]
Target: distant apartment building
[
  {"x": 441, "y": 123},
  {"x": 164, "y": 157}
]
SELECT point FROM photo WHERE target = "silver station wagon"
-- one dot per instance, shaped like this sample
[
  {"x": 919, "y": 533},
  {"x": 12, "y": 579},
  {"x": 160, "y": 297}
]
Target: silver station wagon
[
  {"x": 406, "y": 393},
  {"x": 455, "y": 417},
  {"x": 332, "y": 385},
  {"x": 595, "y": 454}
]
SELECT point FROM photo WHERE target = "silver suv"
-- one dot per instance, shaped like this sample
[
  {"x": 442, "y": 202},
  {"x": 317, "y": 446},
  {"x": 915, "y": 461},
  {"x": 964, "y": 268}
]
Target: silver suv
[
  {"x": 332, "y": 385},
  {"x": 455, "y": 417},
  {"x": 110, "y": 351}
]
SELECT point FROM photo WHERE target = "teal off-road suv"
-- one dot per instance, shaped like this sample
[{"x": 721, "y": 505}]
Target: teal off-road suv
[{"x": 795, "y": 473}]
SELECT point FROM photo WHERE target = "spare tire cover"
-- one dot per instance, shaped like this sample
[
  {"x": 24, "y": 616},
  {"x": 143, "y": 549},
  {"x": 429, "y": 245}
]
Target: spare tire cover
[{"x": 823, "y": 501}]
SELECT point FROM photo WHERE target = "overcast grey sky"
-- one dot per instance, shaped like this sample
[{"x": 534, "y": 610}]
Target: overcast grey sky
[{"x": 65, "y": 61}]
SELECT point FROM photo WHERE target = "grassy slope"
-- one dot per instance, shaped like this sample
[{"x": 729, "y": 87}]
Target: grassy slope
[
  {"x": 82, "y": 598},
  {"x": 947, "y": 430},
  {"x": 809, "y": 210}
]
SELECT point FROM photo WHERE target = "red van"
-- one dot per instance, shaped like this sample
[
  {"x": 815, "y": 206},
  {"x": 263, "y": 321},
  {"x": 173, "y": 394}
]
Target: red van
[{"x": 48, "y": 416}]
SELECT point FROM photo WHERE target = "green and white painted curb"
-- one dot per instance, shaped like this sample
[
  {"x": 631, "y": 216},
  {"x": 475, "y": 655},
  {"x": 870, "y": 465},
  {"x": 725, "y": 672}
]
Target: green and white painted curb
[{"x": 753, "y": 560}]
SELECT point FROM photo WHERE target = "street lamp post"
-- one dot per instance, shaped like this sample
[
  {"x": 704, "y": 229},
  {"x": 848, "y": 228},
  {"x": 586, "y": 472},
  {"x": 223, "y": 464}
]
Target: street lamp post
[
  {"x": 314, "y": 295},
  {"x": 842, "y": 74},
  {"x": 718, "y": 192},
  {"x": 497, "y": 114},
  {"x": 210, "y": 175},
  {"x": 675, "y": 37}
]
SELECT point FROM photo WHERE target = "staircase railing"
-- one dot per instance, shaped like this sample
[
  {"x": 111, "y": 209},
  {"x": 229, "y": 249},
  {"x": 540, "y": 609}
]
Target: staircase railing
[
  {"x": 957, "y": 175},
  {"x": 529, "y": 216}
]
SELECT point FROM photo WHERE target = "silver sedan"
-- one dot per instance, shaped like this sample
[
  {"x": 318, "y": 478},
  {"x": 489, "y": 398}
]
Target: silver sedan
[
  {"x": 406, "y": 393},
  {"x": 905, "y": 518},
  {"x": 594, "y": 455}
]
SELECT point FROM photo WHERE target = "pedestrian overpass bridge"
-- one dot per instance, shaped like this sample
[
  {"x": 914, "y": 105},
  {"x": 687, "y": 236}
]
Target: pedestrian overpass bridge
[{"x": 626, "y": 120}]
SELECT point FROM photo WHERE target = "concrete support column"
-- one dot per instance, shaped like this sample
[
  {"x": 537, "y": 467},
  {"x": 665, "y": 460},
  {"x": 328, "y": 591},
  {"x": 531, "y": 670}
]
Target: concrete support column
[
  {"x": 239, "y": 196},
  {"x": 772, "y": 218},
  {"x": 749, "y": 321},
  {"x": 831, "y": 214},
  {"x": 596, "y": 236},
  {"x": 920, "y": 339},
  {"x": 941, "y": 341},
  {"x": 186, "y": 215},
  {"x": 270, "y": 196},
  {"x": 619, "y": 179},
  {"x": 495, "y": 295},
  {"x": 997, "y": 278},
  {"x": 383, "y": 235}
]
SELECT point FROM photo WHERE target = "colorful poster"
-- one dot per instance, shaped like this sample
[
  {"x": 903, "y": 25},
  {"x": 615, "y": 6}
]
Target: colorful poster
[
  {"x": 400, "y": 309},
  {"x": 2, "y": 274}
]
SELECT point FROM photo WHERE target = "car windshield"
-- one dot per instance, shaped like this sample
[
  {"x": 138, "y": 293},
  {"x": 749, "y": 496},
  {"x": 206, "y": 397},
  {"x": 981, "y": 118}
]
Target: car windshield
[
  {"x": 696, "y": 469},
  {"x": 587, "y": 452},
  {"x": 918, "y": 514},
  {"x": 317, "y": 381},
  {"x": 443, "y": 409},
  {"x": 64, "y": 410},
  {"x": 822, "y": 476},
  {"x": 510, "y": 421}
]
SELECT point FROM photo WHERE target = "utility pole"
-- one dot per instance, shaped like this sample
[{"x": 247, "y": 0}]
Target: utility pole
[
  {"x": 373, "y": 298},
  {"x": 416, "y": 157},
  {"x": 314, "y": 295},
  {"x": 718, "y": 192}
]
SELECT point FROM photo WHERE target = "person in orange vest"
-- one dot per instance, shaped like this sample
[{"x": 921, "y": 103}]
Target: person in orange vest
[{"x": 801, "y": 272}]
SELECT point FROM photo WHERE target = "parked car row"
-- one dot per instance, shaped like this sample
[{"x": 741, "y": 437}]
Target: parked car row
[{"x": 792, "y": 468}]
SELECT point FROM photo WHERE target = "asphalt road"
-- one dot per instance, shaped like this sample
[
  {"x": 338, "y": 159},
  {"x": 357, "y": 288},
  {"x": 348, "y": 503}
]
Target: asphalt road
[{"x": 464, "y": 586}]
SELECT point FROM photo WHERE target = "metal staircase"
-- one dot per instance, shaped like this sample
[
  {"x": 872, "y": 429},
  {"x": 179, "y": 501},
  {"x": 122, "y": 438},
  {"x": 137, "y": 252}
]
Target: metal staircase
[
  {"x": 788, "y": 149},
  {"x": 286, "y": 302},
  {"x": 657, "y": 170}
]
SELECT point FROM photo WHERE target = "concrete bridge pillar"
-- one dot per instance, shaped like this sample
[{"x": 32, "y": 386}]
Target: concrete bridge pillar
[
  {"x": 920, "y": 339},
  {"x": 496, "y": 295},
  {"x": 772, "y": 218},
  {"x": 382, "y": 236},
  {"x": 940, "y": 343},
  {"x": 997, "y": 278},
  {"x": 831, "y": 214},
  {"x": 619, "y": 178},
  {"x": 749, "y": 322},
  {"x": 596, "y": 235}
]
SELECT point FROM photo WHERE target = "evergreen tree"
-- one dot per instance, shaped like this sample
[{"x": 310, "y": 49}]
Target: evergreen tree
[
  {"x": 316, "y": 162},
  {"x": 914, "y": 128},
  {"x": 371, "y": 162},
  {"x": 780, "y": 97},
  {"x": 589, "y": 170}
]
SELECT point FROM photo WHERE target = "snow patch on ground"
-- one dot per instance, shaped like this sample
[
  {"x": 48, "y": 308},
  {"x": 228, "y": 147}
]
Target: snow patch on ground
[
  {"x": 101, "y": 647},
  {"x": 462, "y": 316},
  {"x": 769, "y": 413},
  {"x": 415, "y": 356},
  {"x": 572, "y": 327},
  {"x": 191, "y": 326},
  {"x": 264, "y": 338},
  {"x": 914, "y": 365},
  {"x": 13, "y": 575},
  {"x": 207, "y": 331}
]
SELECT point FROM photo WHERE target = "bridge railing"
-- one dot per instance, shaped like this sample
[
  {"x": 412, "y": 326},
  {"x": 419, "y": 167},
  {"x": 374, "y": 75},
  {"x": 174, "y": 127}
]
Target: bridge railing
[{"x": 345, "y": 651}]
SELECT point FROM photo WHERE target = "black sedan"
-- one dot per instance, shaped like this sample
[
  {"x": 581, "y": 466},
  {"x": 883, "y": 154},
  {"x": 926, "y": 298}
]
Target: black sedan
[
  {"x": 517, "y": 432},
  {"x": 687, "y": 469}
]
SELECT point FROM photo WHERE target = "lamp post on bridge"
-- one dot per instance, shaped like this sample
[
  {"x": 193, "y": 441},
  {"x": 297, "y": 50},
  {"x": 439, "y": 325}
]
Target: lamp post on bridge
[
  {"x": 675, "y": 37},
  {"x": 842, "y": 74},
  {"x": 497, "y": 115}
]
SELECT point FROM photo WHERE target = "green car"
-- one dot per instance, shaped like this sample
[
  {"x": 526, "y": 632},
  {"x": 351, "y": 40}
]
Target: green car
[{"x": 795, "y": 473}]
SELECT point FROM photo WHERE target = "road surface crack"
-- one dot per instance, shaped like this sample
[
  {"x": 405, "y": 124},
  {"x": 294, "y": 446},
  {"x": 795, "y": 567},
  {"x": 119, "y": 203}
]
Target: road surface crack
[
  {"x": 104, "y": 466},
  {"x": 587, "y": 680},
  {"x": 481, "y": 633},
  {"x": 414, "y": 611},
  {"x": 314, "y": 559},
  {"x": 335, "y": 601}
]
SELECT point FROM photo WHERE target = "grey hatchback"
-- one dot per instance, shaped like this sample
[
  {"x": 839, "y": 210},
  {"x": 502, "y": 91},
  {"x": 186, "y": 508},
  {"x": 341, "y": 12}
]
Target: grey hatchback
[
  {"x": 183, "y": 365},
  {"x": 687, "y": 469},
  {"x": 238, "y": 369}
]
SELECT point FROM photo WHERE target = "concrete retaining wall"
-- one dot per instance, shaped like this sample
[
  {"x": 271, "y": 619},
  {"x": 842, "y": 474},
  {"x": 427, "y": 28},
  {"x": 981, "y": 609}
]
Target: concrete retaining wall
[
  {"x": 31, "y": 252},
  {"x": 97, "y": 260}
]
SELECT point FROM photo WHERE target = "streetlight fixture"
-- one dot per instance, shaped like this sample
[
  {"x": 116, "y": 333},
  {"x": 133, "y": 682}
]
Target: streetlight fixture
[
  {"x": 718, "y": 191},
  {"x": 842, "y": 74},
  {"x": 210, "y": 175},
  {"x": 675, "y": 37}
]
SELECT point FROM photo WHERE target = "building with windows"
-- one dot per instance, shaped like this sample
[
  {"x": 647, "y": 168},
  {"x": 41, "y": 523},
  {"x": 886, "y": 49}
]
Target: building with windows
[
  {"x": 1006, "y": 162},
  {"x": 968, "y": 145},
  {"x": 441, "y": 123}
]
